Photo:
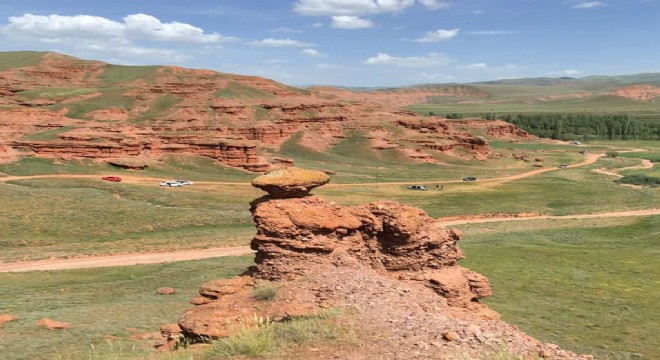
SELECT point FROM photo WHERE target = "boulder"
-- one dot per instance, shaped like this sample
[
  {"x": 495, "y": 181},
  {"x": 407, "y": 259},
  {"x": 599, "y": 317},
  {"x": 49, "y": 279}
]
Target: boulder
[{"x": 290, "y": 182}]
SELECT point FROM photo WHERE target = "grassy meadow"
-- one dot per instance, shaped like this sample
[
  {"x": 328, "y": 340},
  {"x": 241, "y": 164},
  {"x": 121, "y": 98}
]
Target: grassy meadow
[
  {"x": 565, "y": 282},
  {"x": 588, "y": 285}
]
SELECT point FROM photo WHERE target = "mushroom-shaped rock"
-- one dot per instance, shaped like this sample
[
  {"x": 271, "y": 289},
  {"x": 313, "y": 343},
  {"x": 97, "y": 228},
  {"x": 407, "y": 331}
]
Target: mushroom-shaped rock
[{"x": 291, "y": 182}]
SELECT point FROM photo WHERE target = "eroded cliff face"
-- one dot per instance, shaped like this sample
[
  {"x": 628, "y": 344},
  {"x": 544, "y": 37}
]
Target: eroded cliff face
[
  {"x": 70, "y": 108},
  {"x": 391, "y": 264}
]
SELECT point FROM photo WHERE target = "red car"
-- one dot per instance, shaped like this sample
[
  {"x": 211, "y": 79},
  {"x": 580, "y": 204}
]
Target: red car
[{"x": 111, "y": 178}]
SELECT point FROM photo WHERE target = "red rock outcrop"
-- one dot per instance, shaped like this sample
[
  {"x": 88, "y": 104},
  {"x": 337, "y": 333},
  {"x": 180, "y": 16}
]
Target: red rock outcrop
[
  {"x": 640, "y": 92},
  {"x": 391, "y": 263}
]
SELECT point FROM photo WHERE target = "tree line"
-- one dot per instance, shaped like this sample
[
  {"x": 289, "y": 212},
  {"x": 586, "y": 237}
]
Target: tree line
[
  {"x": 578, "y": 126},
  {"x": 584, "y": 126}
]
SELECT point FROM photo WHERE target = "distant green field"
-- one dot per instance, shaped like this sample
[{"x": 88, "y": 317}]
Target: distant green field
[
  {"x": 597, "y": 105},
  {"x": 589, "y": 285}
]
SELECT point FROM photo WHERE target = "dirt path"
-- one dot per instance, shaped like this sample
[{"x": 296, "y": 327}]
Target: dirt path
[
  {"x": 590, "y": 159},
  {"x": 156, "y": 258},
  {"x": 486, "y": 219},
  {"x": 122, "y": 259},
  {"x": 646, "y": 164},
  {"x": 130, "y": 179}
]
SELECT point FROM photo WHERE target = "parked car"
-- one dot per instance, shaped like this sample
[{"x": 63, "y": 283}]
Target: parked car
[
  {"x": 111, "y": 178},
  {"x": 470, "y": 178},
  {"x": 171, "y": 184},
  {"x": 417, "y": 187},
  {"x": 563, "y": 166},
  {"x": 184, "y": 182}
]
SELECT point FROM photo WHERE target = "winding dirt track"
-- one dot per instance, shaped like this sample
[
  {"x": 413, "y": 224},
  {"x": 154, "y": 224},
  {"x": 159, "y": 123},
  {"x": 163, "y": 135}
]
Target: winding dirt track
[
  {"x": 590, "y": 159},
  {"x": 488, "y": 219},
  {"x": 123, "y": 259},
  {"x": 154, "y": 258}
]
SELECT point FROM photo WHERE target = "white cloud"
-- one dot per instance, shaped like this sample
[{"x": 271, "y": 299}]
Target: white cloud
[
  {"x": 276, "y": 61},
  {"x": 350, "y": 7},
  {"x": 317, "y": 25},
  {"x": 434, "y": 4},
  {"x": 474, "y": 66},
  {"x": 428, "y": 61},
  {"x": 272, "y": 42},
  {"x": 492, "y": 32},
  {"x": 135, "y": 27},
  {"x": 588, "y": 5},
  {"x": 285, "y": 29},
  {"x": 438, "y": 35},
  {"x": 350, "y": 22},
  {"x": 142, "y": 26},
  {"x": 130, "y": 39},
  {"x": 311, "y": 52}
]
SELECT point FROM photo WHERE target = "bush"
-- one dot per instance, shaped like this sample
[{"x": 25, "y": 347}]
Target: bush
[{"x": 642, "y": 180}]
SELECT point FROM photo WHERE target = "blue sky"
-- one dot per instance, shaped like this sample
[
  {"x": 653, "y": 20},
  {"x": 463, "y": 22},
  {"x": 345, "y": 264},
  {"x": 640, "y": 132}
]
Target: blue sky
[{"x": 349, "y": 42}]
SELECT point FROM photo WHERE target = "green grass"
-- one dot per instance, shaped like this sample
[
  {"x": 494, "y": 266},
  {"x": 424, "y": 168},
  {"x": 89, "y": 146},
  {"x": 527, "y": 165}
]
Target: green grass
[
  {"x": 96, "y": 217},
  {"x": 236, "y": 90},
  {"x": 57, "y": 94},
  {"x": 100, "y": 304},
  {"x": 110, "y": 98},
  {"x": 47, "y": 135},
  {"x": 114, "y": 74},
  {"x": 159, "y": 107},
  {"x": 14, "y": 59},
  {"x": 274, "y": 340},
  {"x": 588, "y": 285}
]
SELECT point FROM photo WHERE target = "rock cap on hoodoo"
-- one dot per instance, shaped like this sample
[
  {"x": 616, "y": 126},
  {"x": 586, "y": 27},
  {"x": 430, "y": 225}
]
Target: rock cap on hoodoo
[{"x": 290, "y": 182}]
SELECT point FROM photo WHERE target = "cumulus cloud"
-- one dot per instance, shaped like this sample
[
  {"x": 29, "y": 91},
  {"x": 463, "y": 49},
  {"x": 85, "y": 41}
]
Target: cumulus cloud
[
  {"x": 135, "y": 27},
  {"x": 350, "y": 22},
  {"x": 350, "y": 7},
  {"x": 588, "y": 5},
  {"x": 428, "y": 61},
  {"x": 311, "y": 52},
  {"x": 135, "y": 36},
  {"x": 272, "y": 42},
  {"x": 438, "y": 35},
  {"x": 434, "y": 4}
]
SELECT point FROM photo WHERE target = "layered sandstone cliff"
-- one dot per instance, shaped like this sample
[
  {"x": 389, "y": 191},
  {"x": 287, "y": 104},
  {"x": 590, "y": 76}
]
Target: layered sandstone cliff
[{"x": 59, "y": 106}]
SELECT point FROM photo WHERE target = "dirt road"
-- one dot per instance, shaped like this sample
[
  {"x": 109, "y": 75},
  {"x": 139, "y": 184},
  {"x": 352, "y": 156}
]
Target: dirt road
[
  {"x": 123, "y": 259},
  {"x": 487, "y": 219},
  {"x": 590, "y": 159},
  {"x": 156, "y": 258}
]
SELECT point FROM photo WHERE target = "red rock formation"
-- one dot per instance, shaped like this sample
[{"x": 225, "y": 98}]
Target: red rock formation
[
  {"x": 639, "y": 92},
  {"x": 391, "y": 263},
  {"x": 226, "y": 117}
]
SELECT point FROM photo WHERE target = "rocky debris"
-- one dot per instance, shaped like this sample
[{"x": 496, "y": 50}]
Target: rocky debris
[
  {"x": 53, "y": 324},
  {"x": 171, "y": 336},
  {"x": 392, "y": 266},
  {"x": 165, "y": 291},
  {"x": 291, "y": 182},
  {"x": 5, "y": 318}
]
